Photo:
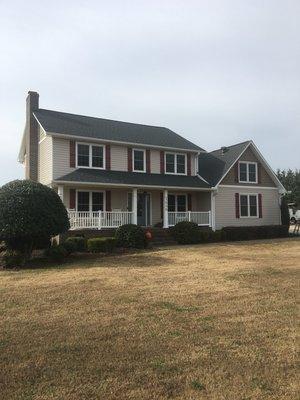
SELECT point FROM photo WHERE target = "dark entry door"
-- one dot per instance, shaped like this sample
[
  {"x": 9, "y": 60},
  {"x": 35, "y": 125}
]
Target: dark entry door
[{"x": 143, "y": 209}]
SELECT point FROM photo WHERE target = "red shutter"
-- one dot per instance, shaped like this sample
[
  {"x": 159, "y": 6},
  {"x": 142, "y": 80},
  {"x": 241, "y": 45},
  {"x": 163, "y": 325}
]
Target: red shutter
[
  {"x": 237, "y": 205},
  {"x": 108, "y": 200},
  {"x": 260, "y": 205},
  {"x": 148, "y": 162},
  {"x": 129, "y": 159},
  {"x": 236, "y": 172},
  {"x": 189, "y": 167},
  {"x": 161, "y": 205},
  {"x": 72, "y": 199},
  {"x": 162, "y": 162},
  {"x": 258, "y": 173},
  {"x": 189, "y": 200},
  {"x": 72, "y": 153},
  {"x": 107, "y": 157}
]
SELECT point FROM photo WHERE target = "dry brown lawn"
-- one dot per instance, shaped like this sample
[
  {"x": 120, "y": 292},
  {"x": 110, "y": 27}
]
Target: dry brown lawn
[{"x": 198, "y": 322}]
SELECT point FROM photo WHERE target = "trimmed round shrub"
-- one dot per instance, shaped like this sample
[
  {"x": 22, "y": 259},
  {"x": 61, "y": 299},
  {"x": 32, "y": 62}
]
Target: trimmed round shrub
[
  {"x": 56, "y": 253},
  {"x": 131, "y": 236},
  {"x": 30, "y": 212},
  {"x": 186, "y": 232},
  {"x": 101, "y": 245},
  {"x": 69, "y": 246},
  {"x": 79, "y": 242},
  {"x": 13, "y": 258}
]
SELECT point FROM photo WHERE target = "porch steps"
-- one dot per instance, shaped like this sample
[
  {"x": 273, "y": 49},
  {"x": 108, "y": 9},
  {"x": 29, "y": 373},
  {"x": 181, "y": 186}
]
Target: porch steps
[{"x": 161, "y": 237}]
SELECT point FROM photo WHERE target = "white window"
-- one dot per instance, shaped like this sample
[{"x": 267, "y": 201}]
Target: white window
[
  {"x": 139, "y": 160},
  {"x": 177, "y": 203},
  {"x": 90, "y": 156},
  {"x": 90, "y": 201},
  {"x": 247, "y": 172},
  {"x": 249, "y": 205},
  {"x": 175, "y": 163}
]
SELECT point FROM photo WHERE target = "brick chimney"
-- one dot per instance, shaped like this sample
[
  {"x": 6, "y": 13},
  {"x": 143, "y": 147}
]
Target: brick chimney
[{"x": 32, "y": 137}]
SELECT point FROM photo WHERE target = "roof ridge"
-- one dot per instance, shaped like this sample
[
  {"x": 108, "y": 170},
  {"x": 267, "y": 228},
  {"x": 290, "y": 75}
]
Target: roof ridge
[
  {"x": 233, "y": 145},
  {"x": 105, "y": 119}
]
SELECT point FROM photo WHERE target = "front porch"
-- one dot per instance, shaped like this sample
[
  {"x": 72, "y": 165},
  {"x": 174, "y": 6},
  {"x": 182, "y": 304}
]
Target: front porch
[
  {"x": 114, "y": 219},
  {"x": 105, "y": 208}
]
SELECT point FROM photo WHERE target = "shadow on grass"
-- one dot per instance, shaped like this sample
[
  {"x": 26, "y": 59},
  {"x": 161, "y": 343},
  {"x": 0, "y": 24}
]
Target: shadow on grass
[{"x": 131, "y": 259}]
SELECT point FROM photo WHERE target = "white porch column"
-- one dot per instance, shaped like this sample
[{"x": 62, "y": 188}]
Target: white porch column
[
  {"x": 165, "y": 209},
  {"x": 60, "y": 192},
  {"x": 213, "y": 209},
  {"x": 134, "y": 206}
]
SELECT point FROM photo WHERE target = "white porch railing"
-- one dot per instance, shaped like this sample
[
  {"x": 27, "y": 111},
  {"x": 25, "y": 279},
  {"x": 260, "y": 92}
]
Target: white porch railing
[
  {"x": 98, "y": 219},
  {"x": 202, "y": 218}
]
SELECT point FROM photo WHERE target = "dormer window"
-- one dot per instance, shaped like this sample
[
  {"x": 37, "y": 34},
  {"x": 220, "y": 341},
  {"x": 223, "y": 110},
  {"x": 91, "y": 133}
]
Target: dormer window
[
  {"x": 90, "y": 156},
  {"x": 139, "y": 160},
  {"x": 247, "y": 172},
  {"x": 175, "y": 163}
]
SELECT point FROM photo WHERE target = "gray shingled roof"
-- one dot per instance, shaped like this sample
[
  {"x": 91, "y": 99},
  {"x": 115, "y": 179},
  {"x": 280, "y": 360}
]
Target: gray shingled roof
[
  {"x": 212, "y": 166},
  {"x": 132, "y": 178},
  {"x": 99, "y": 128}
]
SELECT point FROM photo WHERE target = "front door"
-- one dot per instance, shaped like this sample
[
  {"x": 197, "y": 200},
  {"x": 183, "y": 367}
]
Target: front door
[{"x": 143, "y": 209}]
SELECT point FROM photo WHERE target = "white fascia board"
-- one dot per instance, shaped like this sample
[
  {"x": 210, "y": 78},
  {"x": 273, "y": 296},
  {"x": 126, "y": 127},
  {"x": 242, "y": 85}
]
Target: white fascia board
[
  {"x": 116, "y": 185},
  {"x": 267, "y": 166}
]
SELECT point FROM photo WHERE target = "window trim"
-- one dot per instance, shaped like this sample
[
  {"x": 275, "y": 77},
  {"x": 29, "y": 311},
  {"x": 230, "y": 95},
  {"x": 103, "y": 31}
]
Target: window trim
[
  {"x": 176, "y": 204},
  {"x": 175, "y": 163},
  {"x": 247, "y": 171},
  {"x": 90, "y": 155},
  {"x": 144, "y": 163},
  {"x": 90, "y": 199},
  {"x": 248, "y": 205}
]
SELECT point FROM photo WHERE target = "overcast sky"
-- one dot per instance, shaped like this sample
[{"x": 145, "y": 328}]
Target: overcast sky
[{"x": 216, "y": 72}]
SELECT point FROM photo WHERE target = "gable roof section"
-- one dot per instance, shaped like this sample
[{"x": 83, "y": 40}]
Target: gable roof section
[
  {"x": 214, "y": 166},
  {"x": 55, "y": 122},
  {"x": 88, "y": 175}
]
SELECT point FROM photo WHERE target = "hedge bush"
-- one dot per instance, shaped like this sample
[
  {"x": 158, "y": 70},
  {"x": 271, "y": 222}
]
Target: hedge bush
[
  {"x": 255, "y": 232},
  {"x": 190, "y": 233},
  {"x": 56, "y": 253},
  {"x": 30, "y": 212},
  {"x": 130, "y": 236},
  {"x": 69, "y": 246},
  {"x": 80, "y": 243},
  {"x": 13, "y": 258},
  {"x": 101, "y": 245},
  {"x": 186, "y": 232}
]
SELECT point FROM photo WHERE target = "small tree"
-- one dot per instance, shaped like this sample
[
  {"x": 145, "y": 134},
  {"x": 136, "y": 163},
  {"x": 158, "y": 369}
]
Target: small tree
[
  {"x": 29, "y": 212},
  {"x": 285, "y": 214}
]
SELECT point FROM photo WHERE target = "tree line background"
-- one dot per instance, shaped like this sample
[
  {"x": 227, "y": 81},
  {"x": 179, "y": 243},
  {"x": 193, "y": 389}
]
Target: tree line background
[{"x": 291, "y": 181}]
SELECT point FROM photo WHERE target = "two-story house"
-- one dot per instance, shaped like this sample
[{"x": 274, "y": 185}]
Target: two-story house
[{"x": 109, "y": 173}]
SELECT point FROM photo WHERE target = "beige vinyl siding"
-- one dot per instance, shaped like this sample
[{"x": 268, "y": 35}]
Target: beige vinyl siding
[
  {"x": 45, "y": 161},
  {"x": 225, "y": 207},
  {"x": 61, "y": 157},
  {"x": 42, "y": 133},
  {"x": 155, "y": 162},
  {"x": 119, "y": 158},
  {"x": 119, "y": 199},
  {"x": 193, "y": 164},
  {"x": 201, "y": 201}
]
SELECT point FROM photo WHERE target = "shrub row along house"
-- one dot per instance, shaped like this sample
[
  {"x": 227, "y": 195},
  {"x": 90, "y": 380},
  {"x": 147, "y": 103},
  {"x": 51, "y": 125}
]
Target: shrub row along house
[{"x": 109, "y": 173}]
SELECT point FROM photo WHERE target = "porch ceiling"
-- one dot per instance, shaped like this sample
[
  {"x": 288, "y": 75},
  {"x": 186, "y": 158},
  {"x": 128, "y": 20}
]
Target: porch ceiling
[{"x": 119, "y": 178}]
